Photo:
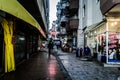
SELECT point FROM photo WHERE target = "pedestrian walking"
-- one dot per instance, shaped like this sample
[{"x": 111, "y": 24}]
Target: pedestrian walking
[
  {"x": 50, "y": 46},
  {"x": 81, "y": 52}
]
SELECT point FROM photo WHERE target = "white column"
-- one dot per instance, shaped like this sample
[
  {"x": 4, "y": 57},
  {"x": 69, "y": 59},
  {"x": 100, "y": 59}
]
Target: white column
[
  {"x": 107, "y": 41},
  {"x": 80, "y": 38}
]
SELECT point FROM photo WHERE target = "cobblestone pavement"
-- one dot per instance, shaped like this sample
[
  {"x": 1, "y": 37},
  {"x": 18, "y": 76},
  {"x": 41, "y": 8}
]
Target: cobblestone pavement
[{"x": 86, "y": 70}]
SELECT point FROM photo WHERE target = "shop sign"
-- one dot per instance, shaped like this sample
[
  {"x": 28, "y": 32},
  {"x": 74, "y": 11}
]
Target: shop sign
[{"x": 53, "y": 32}]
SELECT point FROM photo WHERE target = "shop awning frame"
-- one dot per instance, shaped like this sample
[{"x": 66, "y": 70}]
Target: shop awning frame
[
  {"x": 14, "y": 8},
  {"x": 94, "y": 26}
]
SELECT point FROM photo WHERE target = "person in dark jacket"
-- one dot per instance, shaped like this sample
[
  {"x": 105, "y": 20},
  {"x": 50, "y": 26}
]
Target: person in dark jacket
[
  {"x": 50, "y": 46},
  {"x": 87, "y": 51}
]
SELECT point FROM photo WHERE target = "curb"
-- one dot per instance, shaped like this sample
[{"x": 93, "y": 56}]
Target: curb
[{"x": 65, "y": 72}]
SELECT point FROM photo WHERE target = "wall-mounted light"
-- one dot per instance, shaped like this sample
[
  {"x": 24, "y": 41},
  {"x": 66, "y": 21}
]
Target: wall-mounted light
[
  {"x": 95, "y": 32},
  {"x": 22, "y": 38},
  {"x": 113, "y": 23},
  {"x": 91, "y": 34}
]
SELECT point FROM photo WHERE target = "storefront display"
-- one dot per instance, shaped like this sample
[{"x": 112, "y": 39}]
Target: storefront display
[
  {"x": 107, "y": 37},
  {"x": 113, "y": 55},
  {"x": 19, "y": 48},
  {"x": 114, "y": 47},
  {"x": 101, "y": 47},
  {"x": 102, "y": 44},
  {"x": 108, "y": 42}
]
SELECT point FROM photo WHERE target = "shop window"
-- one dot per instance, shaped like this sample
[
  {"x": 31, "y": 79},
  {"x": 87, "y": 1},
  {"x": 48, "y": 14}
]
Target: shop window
[
  {"x": 102, "y": 44},
  {"x": 114, "y": 41},
  {"x": 114, "y": 47},
  {"x": 19, "y": 48},
  {"x": 32, "y": 44}
]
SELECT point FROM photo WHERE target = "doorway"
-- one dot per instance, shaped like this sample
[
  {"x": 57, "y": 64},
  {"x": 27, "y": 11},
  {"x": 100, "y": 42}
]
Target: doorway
[{"x": 1, "y": 49}]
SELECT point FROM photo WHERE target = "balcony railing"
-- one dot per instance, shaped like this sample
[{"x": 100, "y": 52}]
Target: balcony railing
[
  {"x": 73, "y": 7},
  {"x": 67, "y": 27},
  {"x": 64, "y": 19},
  {"x": 74, "y": 23},
  {"x": 74, "y": 4}
]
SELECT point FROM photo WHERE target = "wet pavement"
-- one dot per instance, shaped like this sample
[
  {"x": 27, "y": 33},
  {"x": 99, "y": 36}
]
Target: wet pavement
[
  {"x": 64, "y": 66},
  {"x": 86, "y": 70},
  {"x": 39, "y": 67}
]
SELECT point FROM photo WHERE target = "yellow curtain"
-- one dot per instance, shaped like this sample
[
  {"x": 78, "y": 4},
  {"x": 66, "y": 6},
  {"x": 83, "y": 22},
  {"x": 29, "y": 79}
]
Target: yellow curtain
[{"x": 9, "y": 52}]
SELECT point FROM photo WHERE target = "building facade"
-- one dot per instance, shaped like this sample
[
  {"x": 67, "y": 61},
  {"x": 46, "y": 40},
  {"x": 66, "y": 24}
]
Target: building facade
[
  {"x": 89, "y": 14},
  {"x": 67, "y": 14}
]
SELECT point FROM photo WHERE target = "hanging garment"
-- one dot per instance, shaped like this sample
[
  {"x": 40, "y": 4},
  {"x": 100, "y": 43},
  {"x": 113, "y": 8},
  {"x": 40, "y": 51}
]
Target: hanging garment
[{"x": 9, "y": 52}]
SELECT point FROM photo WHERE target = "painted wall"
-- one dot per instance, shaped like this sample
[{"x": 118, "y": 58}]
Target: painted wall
[{"x": 89, "y": 14}]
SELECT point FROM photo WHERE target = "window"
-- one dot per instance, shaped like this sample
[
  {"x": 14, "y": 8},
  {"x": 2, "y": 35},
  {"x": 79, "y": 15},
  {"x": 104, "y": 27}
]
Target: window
[
  {"x": 97, "y": 1},
  {"x": 84, "y": 11}
]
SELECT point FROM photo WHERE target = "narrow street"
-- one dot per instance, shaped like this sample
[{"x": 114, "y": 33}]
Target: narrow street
[{"x": 85, "y": 36}]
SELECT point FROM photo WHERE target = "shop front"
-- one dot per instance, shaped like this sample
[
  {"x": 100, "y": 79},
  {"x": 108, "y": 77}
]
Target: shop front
[
  {"x": 92, "y": 35},
  {"x": 111, "y": 10},
  {"x": 105, "y": 41},
  {"x": 16, "y": 25},
  {"x": 113, "y": 41},
  {"x": 20, "y": 48}
]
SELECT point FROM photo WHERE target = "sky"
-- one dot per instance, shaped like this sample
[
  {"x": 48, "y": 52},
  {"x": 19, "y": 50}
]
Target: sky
[{"x": 53, "y": 11}]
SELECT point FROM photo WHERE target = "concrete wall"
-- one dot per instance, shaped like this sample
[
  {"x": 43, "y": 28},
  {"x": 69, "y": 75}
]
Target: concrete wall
[
  {"x": 42, "y": 8},
  {"x": 93, "y": 12}
]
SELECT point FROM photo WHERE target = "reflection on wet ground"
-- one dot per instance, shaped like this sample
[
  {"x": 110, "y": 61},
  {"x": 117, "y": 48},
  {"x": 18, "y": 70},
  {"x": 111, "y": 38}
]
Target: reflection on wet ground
[{"x": 39, "y": 67}]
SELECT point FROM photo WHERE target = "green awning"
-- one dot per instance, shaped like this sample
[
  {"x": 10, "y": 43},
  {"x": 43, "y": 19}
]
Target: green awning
[{"x": 14, "y": 8}]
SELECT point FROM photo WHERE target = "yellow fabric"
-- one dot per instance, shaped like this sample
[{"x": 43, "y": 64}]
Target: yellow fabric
[
  {"x": 14, "y": 8},
  {"x": 9, "y": 52}
]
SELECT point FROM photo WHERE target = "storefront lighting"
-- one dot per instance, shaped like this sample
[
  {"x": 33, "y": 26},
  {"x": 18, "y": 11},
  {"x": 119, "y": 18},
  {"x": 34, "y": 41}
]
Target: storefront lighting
[
  {"x": 21, "y": 38},
  {"x": 113, "y": 23},
  {"x": 91, "y": 34},
  {"x": 95, "y": 32},
  {"x": 103, "y": 34}
]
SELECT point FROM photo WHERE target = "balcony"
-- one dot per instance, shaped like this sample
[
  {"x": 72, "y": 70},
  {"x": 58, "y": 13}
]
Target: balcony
[
  {"x": 63, "y": 24},
  {"x": 67, "y": 27},
  {"x": 110, "y": 7},
  {"x": 73, "y": 6},
  {"x": 64, "y": 5},
  {"x": 74, "y": 24},
  {"x": 64, "y": 19},
  {"x": 62, "y": 30}
]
